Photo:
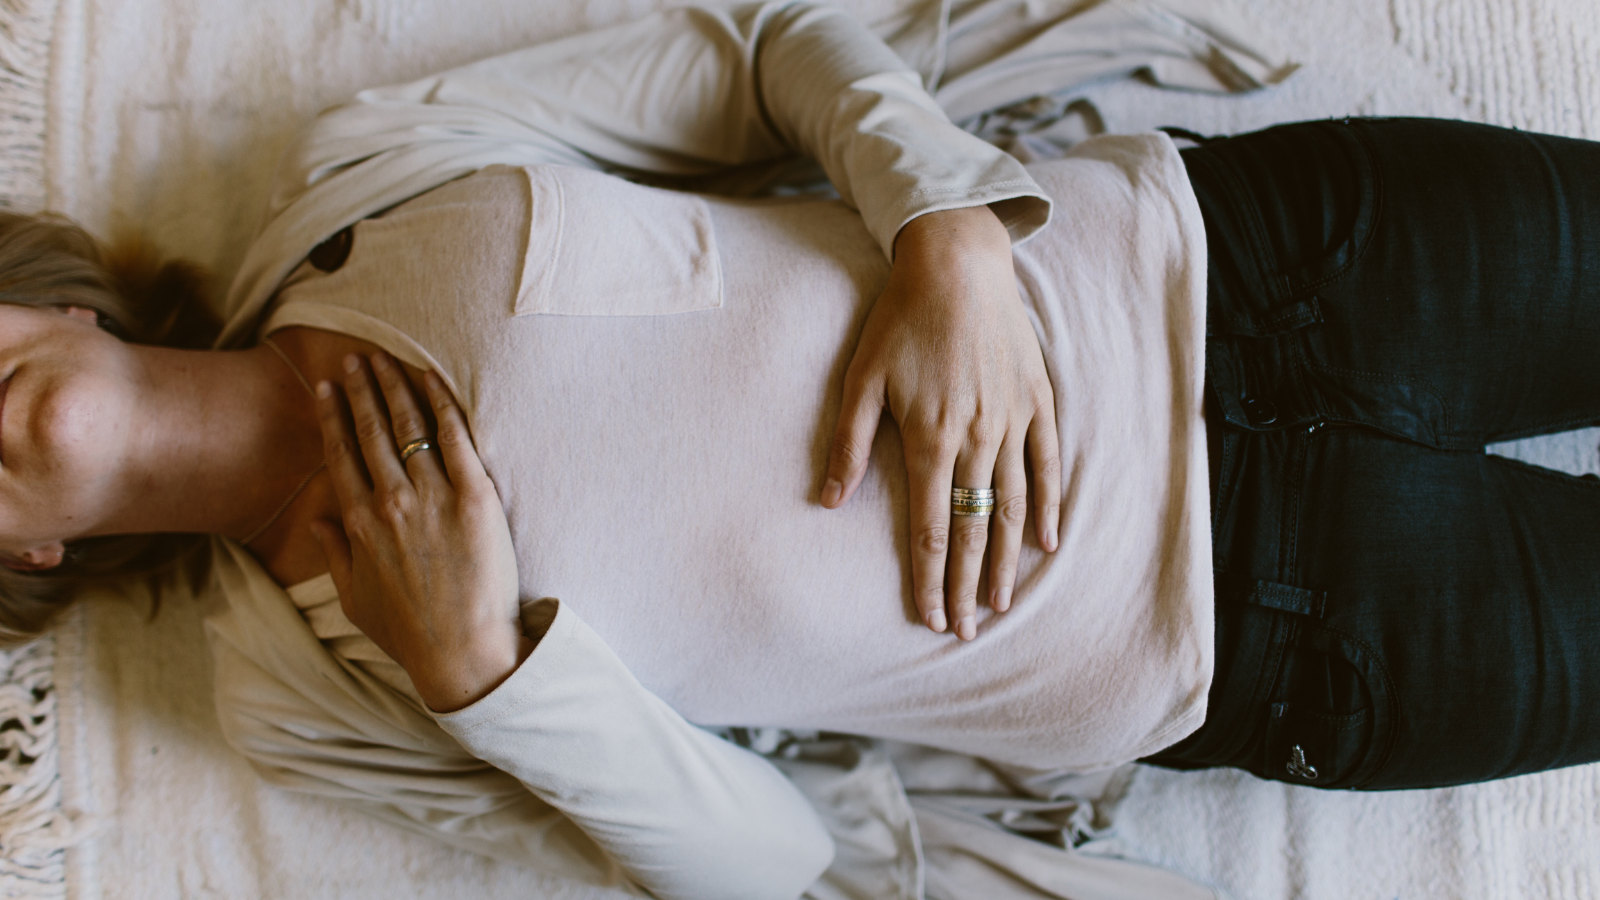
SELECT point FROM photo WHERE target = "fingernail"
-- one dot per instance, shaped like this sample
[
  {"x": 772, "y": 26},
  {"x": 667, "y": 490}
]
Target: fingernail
[
  {"x": 352, "y": 364},
  {"x": 936, "y": 620},
  {"x": 1053, "y": 538},
  {"x": 967, "y": 628},
  {"x": 324, "y": 389},
  {"x": 1003, "y": 602},
  {"x": 831, "y": 492}
]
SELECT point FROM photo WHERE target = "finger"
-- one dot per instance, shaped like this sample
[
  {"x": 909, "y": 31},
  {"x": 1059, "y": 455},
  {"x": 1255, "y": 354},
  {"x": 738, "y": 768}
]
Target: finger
[
  {"x": 928, "y": 463},
  {"x": 345, "y": 468},
  {"x": 1044, "y": 452},
  {"x": 969, "y": 536},
  {"x": 459, "y": 456},
  {"x": 1006, "y": 525},
  {"x": 373, "y": 432},
  {"x": 407, "y": 420},
  {"x": 852, "y": 441},
  {"x": 336, "y": 550}
]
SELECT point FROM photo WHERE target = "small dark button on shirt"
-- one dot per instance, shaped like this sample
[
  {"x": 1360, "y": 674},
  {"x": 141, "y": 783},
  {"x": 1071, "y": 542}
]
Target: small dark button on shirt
[
  {"x": 329, "y": 255},
  {"x": 1260, "y": 412}
]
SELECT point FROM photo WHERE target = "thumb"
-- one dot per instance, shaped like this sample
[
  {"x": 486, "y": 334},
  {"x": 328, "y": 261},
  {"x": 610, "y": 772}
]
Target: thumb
[
  {"x": 852, "y": 442},
  {"x": 336, "y": 549}
]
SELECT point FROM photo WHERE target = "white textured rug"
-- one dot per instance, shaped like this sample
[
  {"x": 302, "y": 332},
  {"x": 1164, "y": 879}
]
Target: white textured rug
[{"x": 170, "y": 113}]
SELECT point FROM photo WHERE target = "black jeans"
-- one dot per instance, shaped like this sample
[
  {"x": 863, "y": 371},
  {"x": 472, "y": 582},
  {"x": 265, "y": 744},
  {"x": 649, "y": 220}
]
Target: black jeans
[{"x": 1394, "y": 607}]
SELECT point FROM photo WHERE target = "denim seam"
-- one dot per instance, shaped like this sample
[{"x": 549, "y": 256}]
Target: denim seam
[
  {"x": 1391, "y": 692},
  {"x": 1260, "y": 247},
  {"x": 1284, "y": 628},
  {"x": 1293, "y": 499},
  {"x": 1364, "y": 241},
  {"x": 1333, "y": 720},
  {"x": 1423, "y": 383}
]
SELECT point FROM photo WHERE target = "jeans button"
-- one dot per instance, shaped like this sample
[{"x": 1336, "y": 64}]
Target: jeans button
[{"x": 1260, "y": 412}]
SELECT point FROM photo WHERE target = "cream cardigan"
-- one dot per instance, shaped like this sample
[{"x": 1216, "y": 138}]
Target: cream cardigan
[{"x": 607, "y": 339}]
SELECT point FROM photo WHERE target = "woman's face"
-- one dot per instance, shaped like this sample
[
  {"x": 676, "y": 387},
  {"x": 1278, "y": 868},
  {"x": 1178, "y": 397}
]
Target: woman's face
[{"x": 66, "y": 396}]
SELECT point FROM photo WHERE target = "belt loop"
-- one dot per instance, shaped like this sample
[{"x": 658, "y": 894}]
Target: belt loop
[{"x": 1289, "y": 599}]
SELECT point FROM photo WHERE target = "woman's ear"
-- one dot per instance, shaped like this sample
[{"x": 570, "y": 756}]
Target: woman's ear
[
  {"x": 36, "y": 559},
  {"x": 82, "y": 312}
]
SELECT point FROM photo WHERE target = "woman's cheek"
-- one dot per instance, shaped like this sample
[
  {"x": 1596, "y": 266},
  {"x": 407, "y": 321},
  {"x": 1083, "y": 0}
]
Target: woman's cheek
[{"x": 79, "y": 430}]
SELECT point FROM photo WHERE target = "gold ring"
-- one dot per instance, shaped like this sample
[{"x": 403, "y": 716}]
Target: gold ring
[
  {"x": 975, "y": 502},
  {"x": 413, "y": 448}
]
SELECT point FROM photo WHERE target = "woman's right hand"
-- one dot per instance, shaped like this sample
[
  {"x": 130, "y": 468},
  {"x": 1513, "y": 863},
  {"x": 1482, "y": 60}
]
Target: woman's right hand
[
  {"x": 949, "y": 351},
  {"x": 422, "y": 554}
]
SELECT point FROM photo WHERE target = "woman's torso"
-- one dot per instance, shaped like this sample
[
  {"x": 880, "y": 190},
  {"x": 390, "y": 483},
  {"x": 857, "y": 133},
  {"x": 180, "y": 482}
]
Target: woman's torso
[{"x": 652, "y": 380}]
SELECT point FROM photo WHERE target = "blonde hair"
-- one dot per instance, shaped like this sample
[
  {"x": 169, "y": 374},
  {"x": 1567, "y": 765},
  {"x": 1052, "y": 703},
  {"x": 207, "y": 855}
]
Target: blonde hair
[{"x": 47, "y": 261}]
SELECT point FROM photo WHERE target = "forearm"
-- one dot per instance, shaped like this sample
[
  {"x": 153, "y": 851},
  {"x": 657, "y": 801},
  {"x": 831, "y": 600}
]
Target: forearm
[
  {"x": 689, "y": 92},
  {"x": 838, "y": 94},
  {"x": 685, "y": 813}
]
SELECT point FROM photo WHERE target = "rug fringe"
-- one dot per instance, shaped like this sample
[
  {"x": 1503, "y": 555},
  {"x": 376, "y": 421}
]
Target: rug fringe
[
  {"x": 33, "y": 829},
  {"x": 25, "y": 30}
]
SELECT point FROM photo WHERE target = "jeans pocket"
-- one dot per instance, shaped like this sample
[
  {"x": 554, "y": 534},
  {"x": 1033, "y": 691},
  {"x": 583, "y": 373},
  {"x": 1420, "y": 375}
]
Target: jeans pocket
[
  {"x": 1328, "y": 715},
  {"x": 1310, "y": 746}
]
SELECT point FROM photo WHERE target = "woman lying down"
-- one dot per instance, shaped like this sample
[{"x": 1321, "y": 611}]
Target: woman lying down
[{"x": 514, "y": 469}]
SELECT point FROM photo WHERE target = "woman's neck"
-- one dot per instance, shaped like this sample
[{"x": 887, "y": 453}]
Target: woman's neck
[{"x": 221, "y": 439}]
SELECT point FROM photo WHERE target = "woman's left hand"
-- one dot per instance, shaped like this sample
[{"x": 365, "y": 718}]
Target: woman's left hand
[
  {"x": 423, "y": 563},
  {"x": 949, "y": 350}
]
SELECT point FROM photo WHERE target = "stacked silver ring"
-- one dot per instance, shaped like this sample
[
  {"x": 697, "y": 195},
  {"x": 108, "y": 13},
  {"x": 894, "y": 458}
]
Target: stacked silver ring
[{"x": 971, "y": 502}]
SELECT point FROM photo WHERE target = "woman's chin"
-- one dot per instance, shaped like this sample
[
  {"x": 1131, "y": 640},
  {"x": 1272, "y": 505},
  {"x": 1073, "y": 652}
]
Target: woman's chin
[{"x": 77, "y": 435}]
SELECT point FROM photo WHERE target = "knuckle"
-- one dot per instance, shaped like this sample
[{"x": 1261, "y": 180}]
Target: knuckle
[
  {"x": 392, "y": 507},
  {"x": 480, "y": 496},
  {"x": 934, "y": 539},
  {"x": 359, "y": 527},
  {"x": 944, "y": 443},
  {"x": 1013, "y": 511},
  {"x": 408, "y": 423},
  {"x": 451, "y": 434},
  {"x": 1049, "y": 469},
  {"x": 856, "y": 381},
  {"x": 845, "y": 453},
  {"x": 971, "y": 536},
  {"x": 1003, "y": 570},
  {"x": 982, "y": 432},
  {"x": 370, "y": 429}
]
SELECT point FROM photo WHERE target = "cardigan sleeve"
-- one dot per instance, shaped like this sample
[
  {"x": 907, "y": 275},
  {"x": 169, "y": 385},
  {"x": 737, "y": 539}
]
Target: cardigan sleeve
[
  {"x": 570, "y": 765},
  {"x": 684, "y": 94},
  {"x": 683, "y": 812},
  {"x": 687, "y": 93}
]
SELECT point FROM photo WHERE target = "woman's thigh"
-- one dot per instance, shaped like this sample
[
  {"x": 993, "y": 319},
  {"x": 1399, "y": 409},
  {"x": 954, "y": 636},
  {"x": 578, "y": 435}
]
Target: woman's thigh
[
  {"x": 1465, "y": 587},
  {"x": 1436, "y": 280},
  {"x": 1397, "y": 616},
  {"x": 1394, "y": 608}
]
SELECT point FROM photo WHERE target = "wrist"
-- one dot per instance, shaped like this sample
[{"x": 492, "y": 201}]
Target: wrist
[
  {"x": 459, "y": 679},
  {"x": 964, "y": 231}
]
